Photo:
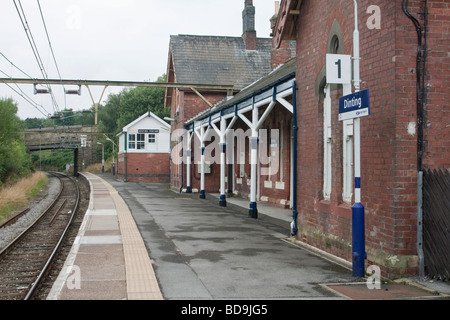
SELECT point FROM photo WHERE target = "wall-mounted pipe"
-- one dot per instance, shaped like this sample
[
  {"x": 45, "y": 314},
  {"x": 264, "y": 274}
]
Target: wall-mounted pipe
[
  {"x": 182, "y": 165},
  {"x": 420, "y": 96},
  {"x": 295, "y": 150},
  {"x": 420, "y": 66}
]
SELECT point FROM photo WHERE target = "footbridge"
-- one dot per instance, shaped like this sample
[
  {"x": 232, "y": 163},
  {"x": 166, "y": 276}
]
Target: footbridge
[{"x": 81, "y": 139}]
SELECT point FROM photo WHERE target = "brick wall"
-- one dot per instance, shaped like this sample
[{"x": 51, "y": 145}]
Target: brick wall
[
  {"x": 144, "y": 167},
  {"x": 324, "y": 224},
  {"x": 280, "y": 55},
  {"x": 190, "y": 105},
  {"x": 276, "y": 189},
  {"x": 388, "y": 136},
  {"x": 437, "y": 110}
]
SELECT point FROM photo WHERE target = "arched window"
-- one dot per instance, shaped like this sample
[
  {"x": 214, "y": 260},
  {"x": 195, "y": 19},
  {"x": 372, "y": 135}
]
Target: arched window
[{"x": 335, "y": 45}]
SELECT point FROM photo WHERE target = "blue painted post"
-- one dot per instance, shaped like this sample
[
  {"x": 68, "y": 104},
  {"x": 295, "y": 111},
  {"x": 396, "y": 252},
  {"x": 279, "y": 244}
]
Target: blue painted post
[
  {"x": 253, "y": 211},
  {"x": 222, "y": 199},
  {"x": 188, "y": 163},
  {"x": 202, "y": 173},
  {"x": 358, "y": 240},
  {"x": 358, "y": 236},
  {"x": 188, "y": 170}
]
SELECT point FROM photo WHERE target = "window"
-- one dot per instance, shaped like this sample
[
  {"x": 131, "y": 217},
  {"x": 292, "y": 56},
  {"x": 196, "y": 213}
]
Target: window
[
  {"x": 140, "y": 144},
  {"x": 152, "y": 138},
  {"x": 335, "y": 44},
  {"x": 136, "y": 141},
  {"x": 131, "y": 141}
]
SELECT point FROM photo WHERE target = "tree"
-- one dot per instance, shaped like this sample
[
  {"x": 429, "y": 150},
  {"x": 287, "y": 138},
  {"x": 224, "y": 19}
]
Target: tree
[
  {"x": 13, "y": 157},
  {"x": 126, "y": 106},
  {"x": 135, "y": 102}
]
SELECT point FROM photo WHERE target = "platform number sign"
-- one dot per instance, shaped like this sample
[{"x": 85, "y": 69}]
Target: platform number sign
[{"x": 339, "y": 69}]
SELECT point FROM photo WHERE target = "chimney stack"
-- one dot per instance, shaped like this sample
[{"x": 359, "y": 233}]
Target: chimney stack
[
  {"x": 283, "y": 53},
  {"x": 273, "y": 20},
  {"x": 249, "y": 31}
]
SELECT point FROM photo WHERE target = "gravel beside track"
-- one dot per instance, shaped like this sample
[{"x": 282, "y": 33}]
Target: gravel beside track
[{"x": 37, "y": 206}]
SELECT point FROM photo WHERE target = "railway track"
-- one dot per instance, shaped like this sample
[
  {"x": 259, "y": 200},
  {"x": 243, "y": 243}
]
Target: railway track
[{"x": 25, "y": 261}]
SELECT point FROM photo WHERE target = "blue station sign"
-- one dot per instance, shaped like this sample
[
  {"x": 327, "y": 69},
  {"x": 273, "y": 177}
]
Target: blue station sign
[{"x": 355, "y": 105}]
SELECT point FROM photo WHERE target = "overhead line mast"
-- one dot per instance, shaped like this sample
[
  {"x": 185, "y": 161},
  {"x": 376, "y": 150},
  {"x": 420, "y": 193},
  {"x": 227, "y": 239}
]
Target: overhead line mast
[{"x": 188, "y": 86}]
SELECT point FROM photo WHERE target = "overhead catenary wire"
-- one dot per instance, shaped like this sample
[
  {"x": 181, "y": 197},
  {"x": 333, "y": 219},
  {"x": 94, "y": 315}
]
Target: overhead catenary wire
[
  {"x": 15, "y": 66},
  {"x": 50, "y": 45},
  {"x": 22, "y": 93},
  {"x": 26, "y": 97},
  {"x": 34, "y": 48}
]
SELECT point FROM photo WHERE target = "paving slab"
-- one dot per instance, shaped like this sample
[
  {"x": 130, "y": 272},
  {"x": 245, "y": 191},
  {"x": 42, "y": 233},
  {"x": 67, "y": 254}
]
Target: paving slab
[
  {"x": 387, "y": 291},
  {"x": 200, "y": 250}
]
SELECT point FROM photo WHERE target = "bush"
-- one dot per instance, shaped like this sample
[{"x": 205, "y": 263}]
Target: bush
[{"x": 14, "y": 161}]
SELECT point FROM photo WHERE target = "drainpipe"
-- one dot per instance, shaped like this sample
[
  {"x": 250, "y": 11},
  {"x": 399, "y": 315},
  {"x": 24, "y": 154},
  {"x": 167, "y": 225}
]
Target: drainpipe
[
  {"x": 294, "y": 184},
  {"x": 420, "y": 67},
  {"x": 188, "y": 164}
]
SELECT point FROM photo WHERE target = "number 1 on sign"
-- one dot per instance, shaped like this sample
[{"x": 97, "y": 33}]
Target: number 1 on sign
[{"x": 338, "y": 63}]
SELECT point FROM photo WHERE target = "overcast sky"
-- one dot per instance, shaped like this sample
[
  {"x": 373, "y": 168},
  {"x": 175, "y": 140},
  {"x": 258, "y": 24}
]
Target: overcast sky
[{"x": 105, "y": 40}]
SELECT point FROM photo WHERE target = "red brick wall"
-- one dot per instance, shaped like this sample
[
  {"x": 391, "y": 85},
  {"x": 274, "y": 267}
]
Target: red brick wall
[
  {"x": 144, "y": 167},
  {"x": 319, "y": 218},
  {"x": 272, "y": 194},
  {"x": 190, "y": 105},
  {"x": 437, "y": 110},
  {"x": 388, "y": 135},
  {"x": 212, "y": 155},
  {"x": 279, "y": 119},
  {"x": 281, "y": 55}
]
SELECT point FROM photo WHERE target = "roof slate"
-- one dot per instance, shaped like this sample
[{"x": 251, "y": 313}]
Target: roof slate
[
  {"x": 219, "y": 60},
  {"x": 282, "y": 73}
]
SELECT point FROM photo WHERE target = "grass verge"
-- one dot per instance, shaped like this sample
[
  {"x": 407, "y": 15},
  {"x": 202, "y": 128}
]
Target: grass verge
[{"x": 18, "y": 194}]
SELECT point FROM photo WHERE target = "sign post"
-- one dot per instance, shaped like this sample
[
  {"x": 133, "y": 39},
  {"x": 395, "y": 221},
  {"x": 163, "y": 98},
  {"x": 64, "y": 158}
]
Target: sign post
[
  {"x": 358, "y": 227},
  {"x": 352, "y": 107}
]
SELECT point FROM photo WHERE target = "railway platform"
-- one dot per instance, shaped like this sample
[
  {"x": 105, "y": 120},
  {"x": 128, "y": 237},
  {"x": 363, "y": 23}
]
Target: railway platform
[
  {"x": 199, "y": 251},
  {"x": 108, "y": 260}
]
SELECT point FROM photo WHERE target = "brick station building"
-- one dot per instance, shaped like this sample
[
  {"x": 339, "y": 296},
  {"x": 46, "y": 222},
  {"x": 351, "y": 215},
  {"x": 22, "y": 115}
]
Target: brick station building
[
  {"x": 407, "y": 133},
  {"x": 406, "y": 136},
  {"x": 218, "y": 60}
]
